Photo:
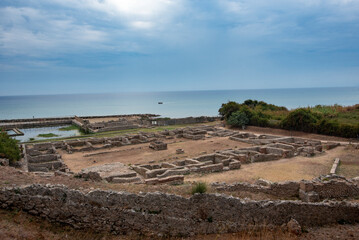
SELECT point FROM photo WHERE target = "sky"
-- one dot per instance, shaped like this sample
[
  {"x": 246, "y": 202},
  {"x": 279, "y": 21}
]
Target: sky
[{"x": 89, "y": 46}]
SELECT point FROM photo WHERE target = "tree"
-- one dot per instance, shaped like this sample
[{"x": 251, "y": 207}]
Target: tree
[
  {"x": 238, "y": 119},
  {"x": 228, "y": 108},
  {"x": 9, "y": 148}
]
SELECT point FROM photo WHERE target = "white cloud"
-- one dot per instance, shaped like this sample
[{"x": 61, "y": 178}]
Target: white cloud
[
  {"x": 234, "y": 6},
  {"x": 28, "y": 31},
  {"x": 141, "y": 14}
]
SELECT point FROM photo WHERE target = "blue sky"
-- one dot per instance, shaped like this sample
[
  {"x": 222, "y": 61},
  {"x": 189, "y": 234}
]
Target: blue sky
[{"x": 86, "y": 46}]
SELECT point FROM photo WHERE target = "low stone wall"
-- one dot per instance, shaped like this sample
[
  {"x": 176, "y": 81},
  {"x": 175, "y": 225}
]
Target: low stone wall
[
  {"x": 159, "y": 213},
  {"x": 287, "y": 189},
  {"x": 328, "y": 187},
  {"x": 318, "y": 189}
]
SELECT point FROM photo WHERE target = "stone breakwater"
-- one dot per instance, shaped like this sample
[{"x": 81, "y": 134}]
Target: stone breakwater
[{"x": 165, "y": 214}]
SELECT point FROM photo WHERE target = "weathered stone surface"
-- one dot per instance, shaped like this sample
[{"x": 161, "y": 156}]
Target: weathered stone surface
[
  {"x": 173, "y": 172},
  {"x": 94, "y": 176},
  {"x": 158, "y": 145},
  {"x": 179, "y": 151},
  {"x": 43, "y": 158},
  {"x": 294, "y": 227},
  {"x": 154, "y": 173},
  {"x": 286, "y": 189},
  {"x": 125, "y": 179},
  {"x": 53, "y": 165},
  {"x": 176, "y": 179},
  {"x": 211, "y": 168},
  {"x": 234, "y": 165},
  {"x": 121, "y": 212},
  {"x": 331, "y": 187},
  {"x": 4, "y": 162},
  {"x": 265, "y": 157},
  {"x": 331, "y": 145}
]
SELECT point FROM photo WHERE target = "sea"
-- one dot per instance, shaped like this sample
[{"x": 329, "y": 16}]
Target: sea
[{"x": 175, "y": 104}]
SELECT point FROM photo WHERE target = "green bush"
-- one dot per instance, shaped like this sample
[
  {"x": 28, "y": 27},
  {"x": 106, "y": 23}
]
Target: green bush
[
  {"x": 301, "y": 119},
  {"x": 254, "y": 104},
  {"x": 259, "y": 119},
  {"x": 9, "y": 148},
  {"x": 228, "y": 108},
  {"x": 199, "y": 188},
  {"x": 238, "y": 119},
  {"x": 327, "y": 127}
]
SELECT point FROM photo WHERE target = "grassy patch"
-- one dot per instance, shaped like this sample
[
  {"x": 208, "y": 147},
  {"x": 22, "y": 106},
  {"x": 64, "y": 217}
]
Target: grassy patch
[
  {"x": 69, "y": 128},
  {"x": 47, "y": 135},
  {"x": 199, "y": 188}
]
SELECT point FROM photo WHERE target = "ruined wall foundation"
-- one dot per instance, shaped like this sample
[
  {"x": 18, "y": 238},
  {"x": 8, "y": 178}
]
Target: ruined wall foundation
[{"x": 159, "y": 213}]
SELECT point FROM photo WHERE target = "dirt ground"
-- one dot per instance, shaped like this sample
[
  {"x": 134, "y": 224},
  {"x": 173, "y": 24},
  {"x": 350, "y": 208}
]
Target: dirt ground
[
  {"x": 349, "y": 163},
  {"x": 141, "y": 153},
  {"x": 295, "y": 169}
]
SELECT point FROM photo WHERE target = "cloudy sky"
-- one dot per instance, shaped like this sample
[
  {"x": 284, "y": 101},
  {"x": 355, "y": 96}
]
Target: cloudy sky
[{"x": 80, "y": 46}]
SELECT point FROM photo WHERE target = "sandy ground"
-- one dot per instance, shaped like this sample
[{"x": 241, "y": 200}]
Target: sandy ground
[
  {"x": 141, "y": 153},
  {"x": 296, "y": 168}
]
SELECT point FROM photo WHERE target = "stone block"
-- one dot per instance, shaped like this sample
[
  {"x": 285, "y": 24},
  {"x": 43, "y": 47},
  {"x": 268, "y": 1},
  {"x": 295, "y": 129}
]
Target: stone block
[
  {"x": 125, "y": 179},
  {"x": 173, "y": 172},
  {"x": 234, "y": 165},
  {"x": 155, "y": 172},
  {"x": 211, "y": 168}
]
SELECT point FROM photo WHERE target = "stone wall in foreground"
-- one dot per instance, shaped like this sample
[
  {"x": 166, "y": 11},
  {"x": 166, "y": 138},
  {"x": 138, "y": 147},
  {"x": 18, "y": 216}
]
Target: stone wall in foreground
[{"x": 159, "y": 213}]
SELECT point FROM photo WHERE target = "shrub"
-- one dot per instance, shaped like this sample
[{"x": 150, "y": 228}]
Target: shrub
[
  {"x": 301, "y": 119},
  {"x": 228, "y": 108},
  {"x": 9, "y": 148},
  {"x": 238, "y": 119},
  {"x": 199, "y": 188},
  {"x": 327, "y": 127},
  {"x": 259, "y": 119}
]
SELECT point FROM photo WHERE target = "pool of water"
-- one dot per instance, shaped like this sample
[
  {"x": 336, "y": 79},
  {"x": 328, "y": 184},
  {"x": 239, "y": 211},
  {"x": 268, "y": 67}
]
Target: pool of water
[{"x": 34, "y": 132}]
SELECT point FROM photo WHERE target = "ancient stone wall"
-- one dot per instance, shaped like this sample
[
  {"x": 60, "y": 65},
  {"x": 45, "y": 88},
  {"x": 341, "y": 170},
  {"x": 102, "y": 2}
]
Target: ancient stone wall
[
  {"x": 287, "y": 189},
  {"x": 159, "y": 213},
  {"x": 328, "y": 187},
  {"x": 325, "y": 187}
]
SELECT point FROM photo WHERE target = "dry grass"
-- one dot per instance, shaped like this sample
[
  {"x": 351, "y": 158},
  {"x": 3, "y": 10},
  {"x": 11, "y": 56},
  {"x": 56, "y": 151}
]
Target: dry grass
[
  {"x": 282, "y": 132},
  {"x": 295, "y": 169},
  {"x": 349, "y": 163}
]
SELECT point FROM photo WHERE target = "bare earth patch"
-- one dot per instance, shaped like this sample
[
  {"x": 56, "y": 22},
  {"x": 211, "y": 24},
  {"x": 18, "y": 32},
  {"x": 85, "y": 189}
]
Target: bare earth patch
[
  {"x": 349, "y": 163},
  {"x": 296, "y": 168},
  {"x": 141, "y": 153}
]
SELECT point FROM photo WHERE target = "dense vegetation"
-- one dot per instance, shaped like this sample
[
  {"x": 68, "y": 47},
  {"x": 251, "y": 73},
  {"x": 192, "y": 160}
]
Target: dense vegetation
[
  {"x": 9, "y": 148},
  {"x": 333, "y": 120}
]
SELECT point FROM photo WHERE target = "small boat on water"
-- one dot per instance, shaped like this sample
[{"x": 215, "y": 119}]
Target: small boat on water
[{"x": 160, "y": 102}]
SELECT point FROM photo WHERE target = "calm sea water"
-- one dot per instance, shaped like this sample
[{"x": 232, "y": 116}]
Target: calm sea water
[
  {"x": 34, "y": 133},
  {"x": 175, "y": 104}
]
